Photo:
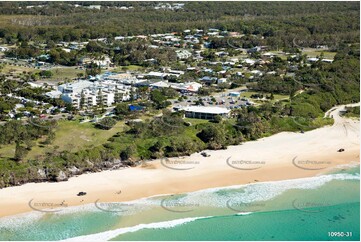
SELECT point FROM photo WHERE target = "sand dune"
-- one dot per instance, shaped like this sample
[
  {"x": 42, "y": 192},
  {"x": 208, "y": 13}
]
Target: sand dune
[{"x": 282, "y": 156}]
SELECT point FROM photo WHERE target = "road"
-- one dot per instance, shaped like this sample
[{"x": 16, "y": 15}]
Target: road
[{"x": 350, "y": 127}]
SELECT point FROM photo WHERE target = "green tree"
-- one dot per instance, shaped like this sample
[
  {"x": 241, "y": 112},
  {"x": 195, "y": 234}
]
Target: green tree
[
  {"x": 92, "y": 69},
  {"x": 122, "y": 109},
  {"x": 127, "y": 153},
  {"x": 20, "y": 152},
  {"x": 82, "y": 100},
  {"x": 217, "y": 119},
  {"x": 46, "y": 74},
  {"x": 213, "y": 135},
  {"x": 106, "y": 123}
]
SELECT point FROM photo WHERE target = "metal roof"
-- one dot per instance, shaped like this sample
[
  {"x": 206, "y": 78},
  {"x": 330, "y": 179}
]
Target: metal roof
[{"x": 202, "y": 109}]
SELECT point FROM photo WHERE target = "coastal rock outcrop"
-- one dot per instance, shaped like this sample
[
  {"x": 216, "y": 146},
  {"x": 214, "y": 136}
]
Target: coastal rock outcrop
[
  {"x": 61, "y": 176},
  {"x": 74, "y": 170},
  {"x": 42, "y": 174}
]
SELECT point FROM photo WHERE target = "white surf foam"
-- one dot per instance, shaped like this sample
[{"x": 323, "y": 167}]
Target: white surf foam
[
  {"x": 243, "y": 213},
  {"x": 212, "y": 197},
  {"x": 257, "y": 192},
  {"x": 104, "y": 236},
  {"x": 19, "y": 220}
]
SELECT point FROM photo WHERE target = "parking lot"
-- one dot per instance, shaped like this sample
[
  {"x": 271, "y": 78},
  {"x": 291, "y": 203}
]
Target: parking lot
[{"x": 222, "y": 99}]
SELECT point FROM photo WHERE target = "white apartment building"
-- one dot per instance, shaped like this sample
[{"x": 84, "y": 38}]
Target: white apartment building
[
  {"x": 183, "y": 54},
  {"x": 86, "y": 94}
]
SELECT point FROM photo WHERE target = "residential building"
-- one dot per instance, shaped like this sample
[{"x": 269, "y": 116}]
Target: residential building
[
  {"x": 54, "y": 94},
  {"x": 104, "y": 61},
  {"x": 183, "y": 54},
  {"x": 92, "y": 97},
  {"x": 182, "y": 87},
  {"x": 74, "y": 87},
  {"x": 222, "y": 80},
  {"x": 124, "y": 78},
  {"x": 102, "y": 91}
]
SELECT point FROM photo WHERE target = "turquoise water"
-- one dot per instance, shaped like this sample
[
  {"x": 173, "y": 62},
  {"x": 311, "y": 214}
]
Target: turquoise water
[
  {"x": 54, "y": 227},
  {"x": 274, "y": 225},
  {"x": 300, "y": 209}
]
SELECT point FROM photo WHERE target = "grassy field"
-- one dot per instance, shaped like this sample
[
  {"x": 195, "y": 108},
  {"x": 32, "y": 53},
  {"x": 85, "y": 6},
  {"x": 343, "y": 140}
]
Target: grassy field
[
  {"x": 7, "y": 69},
  {"x": 73, "y": 136},
  {"x": 69, "y": 135},
  {"x": 126, "y": 68},
  {"x": 310, "y": 52},
  {"x": 314, "y": 53},
  {"x": 7, "y": 151},
  {"x": 62, "y": 73},
  {"x": 195, "y": 121},
  {"x": 277, "y": 97},
  {"x": 59, "y": 74}
]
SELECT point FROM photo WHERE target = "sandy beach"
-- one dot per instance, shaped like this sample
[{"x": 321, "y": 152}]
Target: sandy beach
[{"x": 282, "y": 156}]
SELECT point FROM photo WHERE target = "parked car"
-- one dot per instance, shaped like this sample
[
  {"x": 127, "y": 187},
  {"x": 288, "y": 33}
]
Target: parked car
[{"x": 204, "y": 154}]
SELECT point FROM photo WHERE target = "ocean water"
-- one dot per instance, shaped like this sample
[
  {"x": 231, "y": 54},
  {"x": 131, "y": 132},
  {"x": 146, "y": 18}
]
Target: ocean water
[
  {"x": 274, "y": 225},
  {"x": 300, "y": 209}
]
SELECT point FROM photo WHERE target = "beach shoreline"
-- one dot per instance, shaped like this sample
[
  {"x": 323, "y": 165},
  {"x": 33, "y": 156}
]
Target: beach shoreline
[{"x": 282, "y": 156}]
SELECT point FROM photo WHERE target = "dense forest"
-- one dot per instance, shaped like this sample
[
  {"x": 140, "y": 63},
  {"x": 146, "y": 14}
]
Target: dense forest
[{"x": 280, "y": 23}]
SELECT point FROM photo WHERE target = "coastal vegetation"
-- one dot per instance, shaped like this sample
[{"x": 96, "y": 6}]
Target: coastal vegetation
[
  {"x": 169, "y": 135},
  {"x": 35, "y": 150},
  {"x": 352, "y": 112}
]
